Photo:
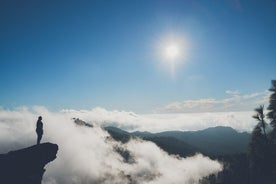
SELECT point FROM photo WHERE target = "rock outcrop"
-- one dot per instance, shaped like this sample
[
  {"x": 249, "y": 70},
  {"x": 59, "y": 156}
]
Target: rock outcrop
[{"x": 26, "y": 166}]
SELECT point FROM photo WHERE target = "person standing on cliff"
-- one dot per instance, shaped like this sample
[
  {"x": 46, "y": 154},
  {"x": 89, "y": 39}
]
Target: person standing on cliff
[{"x": 39, "y": 129}]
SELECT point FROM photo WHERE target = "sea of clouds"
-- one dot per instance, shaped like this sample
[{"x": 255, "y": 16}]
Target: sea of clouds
[
  {"x": 86, "y": 155},
  {"x": 130, "y": 121}
]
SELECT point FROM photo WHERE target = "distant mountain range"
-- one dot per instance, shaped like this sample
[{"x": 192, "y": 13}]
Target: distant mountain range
[{"x": 213, "y": 141}]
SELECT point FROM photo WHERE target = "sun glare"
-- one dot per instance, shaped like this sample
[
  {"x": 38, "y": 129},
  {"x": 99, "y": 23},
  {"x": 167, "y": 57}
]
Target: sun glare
[{"x": 172, "y": 52}]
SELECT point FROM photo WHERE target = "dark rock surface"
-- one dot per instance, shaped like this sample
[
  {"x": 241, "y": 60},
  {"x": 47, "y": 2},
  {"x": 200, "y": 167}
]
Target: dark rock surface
[{"x": 26, "y": 166}]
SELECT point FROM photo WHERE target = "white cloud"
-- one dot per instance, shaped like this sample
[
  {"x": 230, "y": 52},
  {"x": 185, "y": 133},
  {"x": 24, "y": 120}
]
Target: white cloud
[
  {"x": 252, "y": 95},
  {"x": 236, "y": 102},
  {"x": 230, "y": 92},
  {"x": 86, "y": 156},
  {"x": 130, "y": 121}
]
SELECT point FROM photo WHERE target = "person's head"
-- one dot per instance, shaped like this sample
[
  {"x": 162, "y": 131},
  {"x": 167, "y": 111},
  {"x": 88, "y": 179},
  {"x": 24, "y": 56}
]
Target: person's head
[{"x": 40, "y": 118}]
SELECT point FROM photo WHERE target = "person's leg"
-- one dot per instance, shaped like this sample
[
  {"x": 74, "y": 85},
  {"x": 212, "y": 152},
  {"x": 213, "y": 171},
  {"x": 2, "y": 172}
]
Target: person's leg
[{"x": 39, "y": 136}]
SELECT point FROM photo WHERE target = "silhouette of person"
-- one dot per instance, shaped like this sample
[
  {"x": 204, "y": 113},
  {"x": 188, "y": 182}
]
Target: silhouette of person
[{"x": 39, "y": 129}]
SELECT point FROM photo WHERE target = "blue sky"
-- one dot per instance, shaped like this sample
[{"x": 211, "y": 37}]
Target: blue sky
[{"x": 85, "y": 54}]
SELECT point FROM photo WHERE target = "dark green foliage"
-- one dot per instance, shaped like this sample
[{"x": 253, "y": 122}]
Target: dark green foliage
[
  {"x": 262, "y": 162},
  {"x": 262, "y": 147},
  {"x": 258, "y": 154},
  {"x": 235, "y": 170},
  {"x": 272, "y": 104},
  {"x": 259, "y": 116}
]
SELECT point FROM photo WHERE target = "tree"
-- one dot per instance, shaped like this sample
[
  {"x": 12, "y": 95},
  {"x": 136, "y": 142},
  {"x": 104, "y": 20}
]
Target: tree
[
  {"x": 262, "y": 147},
  {"x": 272, "y": 105},
  {"x": 259, "y": 116},
  {"x": 259, "y": 157}
]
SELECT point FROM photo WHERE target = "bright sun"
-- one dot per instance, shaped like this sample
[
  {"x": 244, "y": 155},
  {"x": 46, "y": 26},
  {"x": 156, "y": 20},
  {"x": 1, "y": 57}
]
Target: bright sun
[{"x": 172, "y": 51}]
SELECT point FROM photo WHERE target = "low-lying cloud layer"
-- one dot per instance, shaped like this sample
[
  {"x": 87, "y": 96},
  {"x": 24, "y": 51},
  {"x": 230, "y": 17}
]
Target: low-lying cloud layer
[
  {"x": 241, "y": 121},
  {"x": 87, "y": 156}
]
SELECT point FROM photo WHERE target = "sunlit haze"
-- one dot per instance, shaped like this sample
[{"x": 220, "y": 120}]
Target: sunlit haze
[{"x": 118, "y": 84}]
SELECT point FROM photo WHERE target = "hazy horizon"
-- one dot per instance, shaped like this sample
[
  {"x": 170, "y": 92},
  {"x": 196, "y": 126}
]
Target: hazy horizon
[{"x": 131, "y": 121}]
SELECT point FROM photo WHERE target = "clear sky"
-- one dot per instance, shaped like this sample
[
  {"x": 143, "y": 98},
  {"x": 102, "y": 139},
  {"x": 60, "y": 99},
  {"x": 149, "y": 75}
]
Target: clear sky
[{"x": 110, "y": 54}]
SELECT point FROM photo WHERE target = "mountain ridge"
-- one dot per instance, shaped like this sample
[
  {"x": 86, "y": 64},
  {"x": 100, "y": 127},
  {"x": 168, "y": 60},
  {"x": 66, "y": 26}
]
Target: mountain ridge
[
  {"x": 212, "y": 141},
  {"x": 219, "y": 140}
]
